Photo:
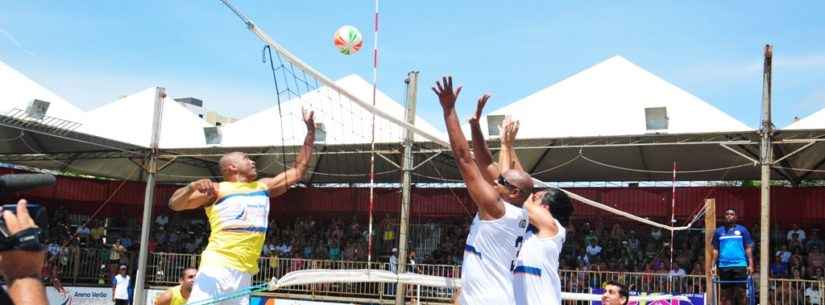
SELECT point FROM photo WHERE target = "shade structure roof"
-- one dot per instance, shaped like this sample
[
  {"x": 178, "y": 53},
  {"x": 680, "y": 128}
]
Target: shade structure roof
[
  {"x": 113, "y": 140},
  {"x": 614, "y": 98}
]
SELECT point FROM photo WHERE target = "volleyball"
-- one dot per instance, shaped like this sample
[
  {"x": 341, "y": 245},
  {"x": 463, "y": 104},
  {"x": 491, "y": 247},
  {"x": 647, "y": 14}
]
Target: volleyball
[{"x": 348, "y": 40}]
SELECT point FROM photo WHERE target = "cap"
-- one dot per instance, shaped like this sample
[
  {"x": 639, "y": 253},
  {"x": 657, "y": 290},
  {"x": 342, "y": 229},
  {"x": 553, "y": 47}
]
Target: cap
[
  {"x": 122, "y": 266},
  {"x": 394, "y": 250}
]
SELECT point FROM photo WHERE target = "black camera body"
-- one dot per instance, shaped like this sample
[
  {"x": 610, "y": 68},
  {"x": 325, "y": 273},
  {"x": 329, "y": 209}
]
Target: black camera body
[{"x": 41, "y": 219}]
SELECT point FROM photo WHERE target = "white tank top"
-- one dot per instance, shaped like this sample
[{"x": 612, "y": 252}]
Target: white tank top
[
  {"x": 489, "y": 255},
  {"x": 536, "y": 276}
]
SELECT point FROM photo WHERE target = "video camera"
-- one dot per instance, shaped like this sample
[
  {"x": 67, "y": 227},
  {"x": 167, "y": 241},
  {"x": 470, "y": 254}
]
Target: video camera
[{"x": 27, "y": 239}]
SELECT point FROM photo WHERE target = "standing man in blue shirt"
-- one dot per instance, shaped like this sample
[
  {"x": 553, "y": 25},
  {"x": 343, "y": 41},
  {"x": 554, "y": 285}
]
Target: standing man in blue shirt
[{"x": 733, "y": 247}]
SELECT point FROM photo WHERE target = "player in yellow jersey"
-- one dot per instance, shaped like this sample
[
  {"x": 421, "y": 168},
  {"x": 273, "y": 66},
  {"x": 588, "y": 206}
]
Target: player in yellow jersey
[
  {"x": 238, "y": 212},
  {"x": 179, "y": 294}
]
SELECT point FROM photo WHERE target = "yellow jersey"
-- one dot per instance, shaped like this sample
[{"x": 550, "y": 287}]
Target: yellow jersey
[
  {"x": 177, "y": 298},
  {"x": 238, "y": 220}
]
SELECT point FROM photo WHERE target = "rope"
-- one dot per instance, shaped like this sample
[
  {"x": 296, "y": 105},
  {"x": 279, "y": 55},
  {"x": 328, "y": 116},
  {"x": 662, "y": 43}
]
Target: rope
[
  {"x": 799, "y": 169},
  {"x": 664, "y": 172},
  {"x": 563, "y": 164},
  {"x": 100, "y": 208}
]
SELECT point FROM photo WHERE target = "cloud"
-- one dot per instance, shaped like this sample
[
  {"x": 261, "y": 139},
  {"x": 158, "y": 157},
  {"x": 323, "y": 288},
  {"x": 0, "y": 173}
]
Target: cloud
[{"x": 15, "y": 42}]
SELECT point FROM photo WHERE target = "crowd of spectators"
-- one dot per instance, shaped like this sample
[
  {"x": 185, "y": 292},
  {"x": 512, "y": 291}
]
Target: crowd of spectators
[{"x": 617, "y": 246}]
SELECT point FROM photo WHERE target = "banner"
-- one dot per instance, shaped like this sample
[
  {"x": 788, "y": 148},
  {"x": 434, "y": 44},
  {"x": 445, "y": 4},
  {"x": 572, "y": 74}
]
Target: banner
[{"x": 79, "y": 296}]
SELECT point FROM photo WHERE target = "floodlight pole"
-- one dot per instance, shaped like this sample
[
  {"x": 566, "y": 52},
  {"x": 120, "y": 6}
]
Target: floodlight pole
[
  {"x": 766, "y": 156},
  {"x": 406, "y": 181},
  {"x": 149, "y": 198}
]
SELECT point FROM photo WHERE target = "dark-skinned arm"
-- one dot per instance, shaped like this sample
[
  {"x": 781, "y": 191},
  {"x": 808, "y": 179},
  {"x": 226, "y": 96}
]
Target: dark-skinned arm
[
  {"x": 481, "y": 152},
  {"x": 482, "y": 193},
  {"x": 280, "y": 184},
  {"x": 194, "y": 195}
]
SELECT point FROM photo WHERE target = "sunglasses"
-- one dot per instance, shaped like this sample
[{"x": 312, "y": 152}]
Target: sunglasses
[{"x": 503, "y": 182}]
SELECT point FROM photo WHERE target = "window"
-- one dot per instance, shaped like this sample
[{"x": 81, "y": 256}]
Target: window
[
  {"x": 37, "y": 109},
  {"x": 320, "y": 133},
  {"x": 493, "y": 121},
  {"x": 212, "y": 135},
  {"x": 656, "y": 118}
]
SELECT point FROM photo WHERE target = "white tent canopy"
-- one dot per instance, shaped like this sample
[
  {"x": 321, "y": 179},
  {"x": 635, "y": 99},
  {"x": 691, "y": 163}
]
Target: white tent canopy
[
  {"x": 560, "y": 124},
  {"x": 344, "y": 122},
  {"x": 813, "y": 121},
  {"x": 17, "y": 91},
  {"x": 610, "y": 99},
  {"x": 129, "y": 120}
]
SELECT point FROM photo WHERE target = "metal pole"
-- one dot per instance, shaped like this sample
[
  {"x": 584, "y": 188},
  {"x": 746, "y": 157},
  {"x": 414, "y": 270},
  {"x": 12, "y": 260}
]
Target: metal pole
[
  {"x": 148, "y": 199},
  {"x": 766, "y": 154},
  {"x": 710, "y": 227},
  {"x": 406, "y": 180}
]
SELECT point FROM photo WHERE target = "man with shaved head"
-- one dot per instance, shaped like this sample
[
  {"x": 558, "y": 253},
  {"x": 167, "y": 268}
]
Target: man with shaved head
[
  {"x": 498, "y": 227},
  {"x": 238, "y": 212}
]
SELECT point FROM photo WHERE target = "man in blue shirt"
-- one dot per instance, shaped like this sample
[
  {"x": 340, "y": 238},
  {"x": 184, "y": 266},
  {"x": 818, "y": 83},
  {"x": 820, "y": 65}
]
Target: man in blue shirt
[{"x": 733, "y": 247}]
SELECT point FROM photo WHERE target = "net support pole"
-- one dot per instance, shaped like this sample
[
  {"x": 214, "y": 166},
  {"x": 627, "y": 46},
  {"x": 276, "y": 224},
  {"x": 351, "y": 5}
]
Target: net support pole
[
  {"x": 149, "y": 198},
  {"x": 406, "y": 181},
  {"x": 766, "y": 156},
  {"x": 710, "y": 227}
]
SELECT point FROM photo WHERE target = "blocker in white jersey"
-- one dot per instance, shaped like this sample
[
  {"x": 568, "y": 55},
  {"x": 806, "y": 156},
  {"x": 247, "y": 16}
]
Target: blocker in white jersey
[
  {"x": 497, "y": 230},
  {"x": 492, "y": 245},
  {"x": 536, "y": 276}
]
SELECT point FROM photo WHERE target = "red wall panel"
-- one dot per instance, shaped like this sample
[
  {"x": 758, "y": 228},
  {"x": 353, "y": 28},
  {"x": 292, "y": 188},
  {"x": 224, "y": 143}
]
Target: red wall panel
[{"x": 803, "y": 205}]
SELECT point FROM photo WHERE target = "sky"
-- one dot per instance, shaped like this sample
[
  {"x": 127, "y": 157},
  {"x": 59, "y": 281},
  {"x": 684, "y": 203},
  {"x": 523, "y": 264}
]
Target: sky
[{"x": 92, "y": 52}]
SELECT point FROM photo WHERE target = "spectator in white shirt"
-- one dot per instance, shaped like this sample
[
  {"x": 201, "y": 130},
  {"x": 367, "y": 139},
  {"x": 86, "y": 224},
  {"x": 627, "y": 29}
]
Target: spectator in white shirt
[
  {"x": 813, "y": 295},
  {"x": 784, "y": 254},
  {"x": 676, "y": 271},
  {"x": 162, "y": 220},
  {"x": 797, "y": 230},
  {"x": 593, "y": 249},
  {"x": 120, "y": 287}
]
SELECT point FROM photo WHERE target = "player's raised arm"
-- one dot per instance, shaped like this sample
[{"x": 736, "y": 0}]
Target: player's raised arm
[
  {"x": 480, "y": 190},
  {"x": 507, "y": 157},
  {"x": 484, "y": 159},
  {"x": 280, "y": 183}
]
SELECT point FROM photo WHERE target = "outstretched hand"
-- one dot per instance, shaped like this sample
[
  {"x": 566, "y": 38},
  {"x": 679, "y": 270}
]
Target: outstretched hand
[
  {"x": 309, "y": 119},
  {"x": 445, "y": 93},
  {"x": 509, "y": 130},
  {"x": 479, "y": 108}
]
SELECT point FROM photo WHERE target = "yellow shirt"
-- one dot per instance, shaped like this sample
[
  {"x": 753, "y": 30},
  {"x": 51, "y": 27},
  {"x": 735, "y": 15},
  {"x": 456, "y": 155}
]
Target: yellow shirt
[
  {"x": 177, "y": 298},
  {"x": 238, "y": 220}
]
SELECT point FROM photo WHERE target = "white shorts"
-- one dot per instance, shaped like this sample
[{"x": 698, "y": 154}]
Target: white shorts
[{"x": 214, "y": 282}]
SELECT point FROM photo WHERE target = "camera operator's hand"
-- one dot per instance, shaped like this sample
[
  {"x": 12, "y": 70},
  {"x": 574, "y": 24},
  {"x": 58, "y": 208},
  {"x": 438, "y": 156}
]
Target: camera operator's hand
[
  {"x": 15, "y": 264},
  {"x": 22, "y": 268}
]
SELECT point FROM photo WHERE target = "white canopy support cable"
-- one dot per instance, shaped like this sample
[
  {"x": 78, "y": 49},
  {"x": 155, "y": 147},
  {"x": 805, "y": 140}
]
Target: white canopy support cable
[
  {"x": 799, "y": 169},
  {"x": 665, "y": 172}
]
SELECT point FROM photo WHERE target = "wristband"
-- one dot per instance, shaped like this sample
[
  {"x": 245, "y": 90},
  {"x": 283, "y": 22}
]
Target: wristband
[{"x": 26, "y": 240}]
